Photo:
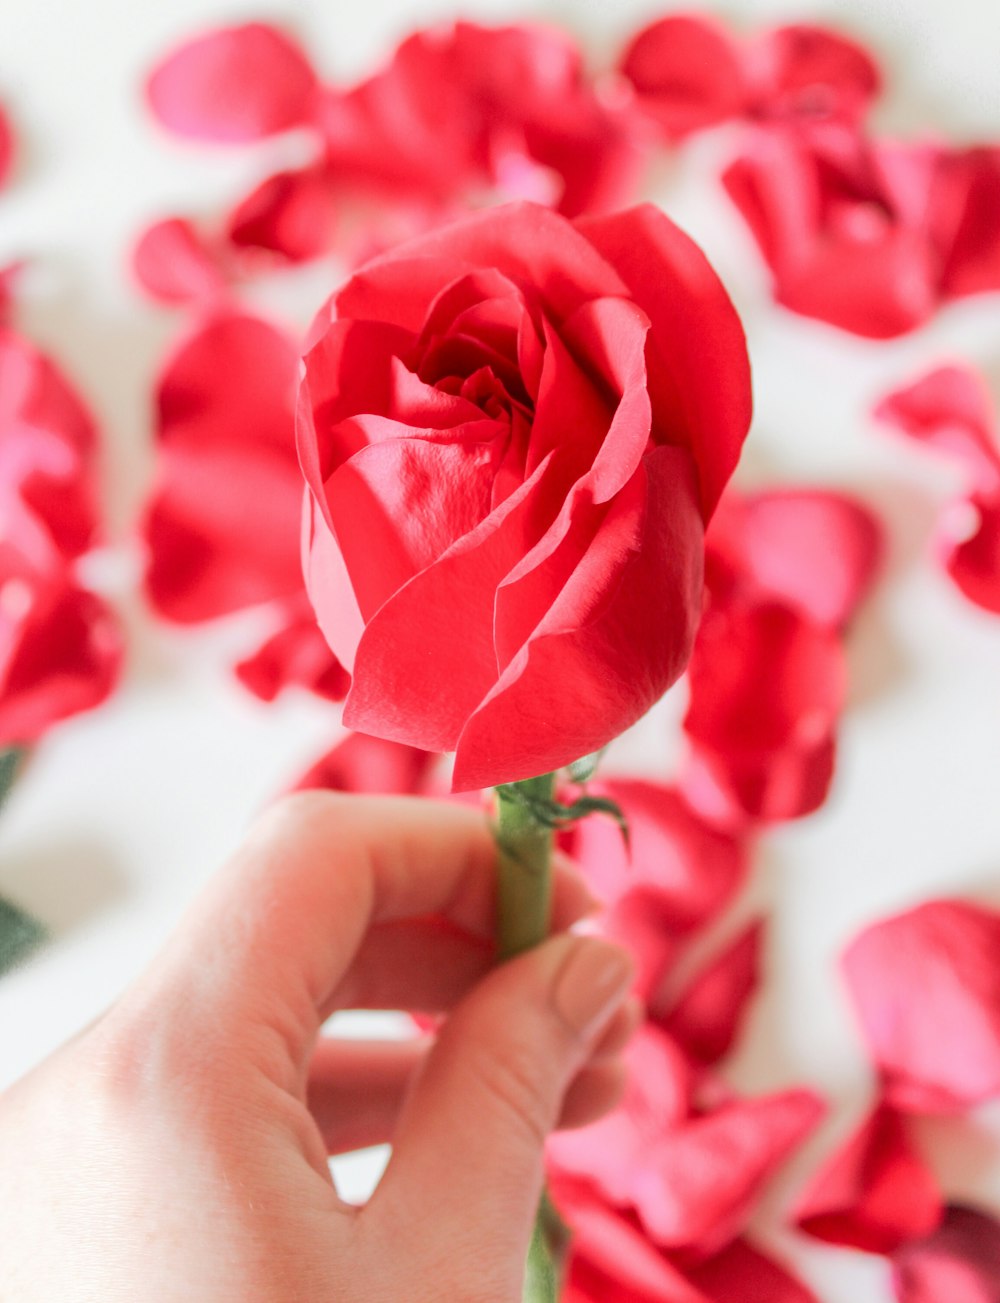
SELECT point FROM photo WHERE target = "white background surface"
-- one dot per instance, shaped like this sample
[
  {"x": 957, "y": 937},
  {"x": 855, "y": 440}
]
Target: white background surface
[{"x": 124, "y": 813}]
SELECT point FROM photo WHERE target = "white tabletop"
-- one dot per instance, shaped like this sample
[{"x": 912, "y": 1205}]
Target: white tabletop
[{"x": 123, "y": 813}]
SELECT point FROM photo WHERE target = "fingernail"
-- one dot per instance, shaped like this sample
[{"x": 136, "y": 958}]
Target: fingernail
[{"x": 591, "y": 984}]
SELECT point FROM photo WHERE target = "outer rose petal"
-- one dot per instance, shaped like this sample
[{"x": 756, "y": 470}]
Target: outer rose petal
[
  {"x": 814, "y": 549},
  {"x": 233, "y": 85},
  {"x": 687, "y": 72},
  {"x": 370, "y": 764},
  {"x": 297, "y": 653},
  {"x": 60, "y": 653},
  {"x": 926, "y": 987},
  {"x": 699, "y": 371},
  {"x": 874, "y": 1193},
  {"x": 811, "y": 72},
  {"x": 959, "y": 1262},
  {"x": 173, "y": 263},
  {"x": 707, "y": 1016},
  {"x": 742, "y": 1274},
  {"x": 225, "y": 428},
  {"x": 292, "y": 214}
]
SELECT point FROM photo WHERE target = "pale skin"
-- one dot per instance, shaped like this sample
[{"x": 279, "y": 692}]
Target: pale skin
[{"x": 176, "y": 1149}]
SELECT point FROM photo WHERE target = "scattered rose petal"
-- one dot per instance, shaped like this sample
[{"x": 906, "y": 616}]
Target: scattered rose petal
[
  {"x": 706, "y": 1018},
  {"x": 225, "y": 418},
  {"x": 175, "y": 264},
  {"x": 370, "y": 764},
  {"x": 808, "y": 72},
  {"x": 813, "y": 549},
  {"x": 969, "y": 183},
  {"x": 292, "y": 214},
  {"x": 6, "y": 147},
  {"x": 297, "y": 653},
  {"x": 741, "y": 1273},
  {"x": 874, "y": 1193},
  {"x": 957, "y": 1263},
  {"x": 233, "y": 85},
  {"x": 926, "y": 988}
]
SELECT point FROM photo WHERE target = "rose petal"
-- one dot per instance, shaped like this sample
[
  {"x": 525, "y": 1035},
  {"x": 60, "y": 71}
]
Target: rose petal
[
  {"x": 707, "y": 1016},
  {"x": 972, "y": 262},
  {"x": 6, "y": 147},
  {"x": 699, "y": 377},
  {"x": 874, "y": 1193},
  {"x": 742, "y": 1274},
  {"x": 173, "y": 263},
  {"x": 974, "y": 562},
  {"x": 369, "y": 764},
  {"x": 802, "y": 71},
  {"x": 810, "y": 548},
  {"x": 687, "y": 72},
  {"x": 960, "y": 1261},
  {"x": 296, "y": 653},
  {"x": 292, "y": 214},
  {"x": 926, "y": 988},
  {"x": 225, "y": 416},
  {"x": 233, "y": 85}
]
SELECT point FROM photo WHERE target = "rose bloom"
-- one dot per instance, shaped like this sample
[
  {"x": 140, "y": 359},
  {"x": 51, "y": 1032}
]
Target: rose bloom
[{"x": 514, "y": 431}]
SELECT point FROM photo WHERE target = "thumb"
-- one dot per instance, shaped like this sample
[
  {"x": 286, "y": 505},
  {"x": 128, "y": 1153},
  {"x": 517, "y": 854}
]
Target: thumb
[{"x": 465, "y": 1174}]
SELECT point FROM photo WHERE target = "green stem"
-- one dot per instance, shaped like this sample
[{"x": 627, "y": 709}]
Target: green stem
[{"x": 524, "y": 877}]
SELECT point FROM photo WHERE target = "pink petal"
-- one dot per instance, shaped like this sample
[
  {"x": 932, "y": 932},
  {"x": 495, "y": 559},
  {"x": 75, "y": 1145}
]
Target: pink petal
[
  {"x": 874, "y": 1193},
  {"x": 810, "y": 548},
  {"x": 974, "y": 561},
  {"x": 800, "y": 70},
  {"x": 292, "y": 214},
  {"x": 699, "y": 373},
  {"x": 959, "y": 1262},
  {"x": 742, "y": 1274},
  {"x": 708, "y": 1014},
  {"x": 6, "y": 147},
  {"x": 233, "y": 85},
  {"x": 687, "y": 72},
  {"x": 972, "y": 250},
  {"x": 225, "y": 435},
  {"x": 926, "y": 988},
  {"x": 295, "y": 654},
  {"x": 173, "y": 263},
  {"x": 369, "y": 764}
]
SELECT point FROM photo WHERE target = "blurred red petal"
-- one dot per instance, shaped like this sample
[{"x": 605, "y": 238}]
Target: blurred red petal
[
  {"x": 972, "y": 260},
  {"x": 926, "y": 988},
  {"x": 803, "y": 71},
  {"x": 292, "y": 214},
  {"x": 957, "y": 1263},
  {"x": 233, "y": 85},
  {"x": 173, "y": 263},
  {"x": 6, "y": 147},
  {"x": 295, "y": 654},
  {"x": 874, "y": 1193},
  {"x": 687, "y": 73},
  {"x": 974, "y": 561},
  {"x": 814, "y": 549},
  {"x": 707, "y": 1016},
  {"x": 225, "y": 439},
  {"x": 370, "y": 764},
  {"x": 742, "y": 1274}
]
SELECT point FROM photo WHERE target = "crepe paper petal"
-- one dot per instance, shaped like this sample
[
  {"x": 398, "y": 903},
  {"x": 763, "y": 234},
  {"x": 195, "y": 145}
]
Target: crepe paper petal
[
  {"x": 699, "y": 370},
  {"x": 48, "y": 442},
  {"x": 709, "y": 1012},
  {"x": 612, "y": 1152},
  {"x": 808, "y": 72},
  {"x": 295, "y": 654},
  {"x": 687, "y": 72},
  {"x": 741, "y": 1273},
  {"x": 949, "y": 410},
  {"x": 926, "y": 988},
  {"x": 175, "y": 264},
  {"x": 960, "y": 1261},
  {"x": 222, "y": 523},
  {"x": 233, "y": 85},
  {"x": 814, "y": 549},
  {"x": 874, "y": 1193},
  {"x": 700, "y": 1183},
  {"x": 7, "y": 150},
  {"x": 20, "y": 935},
  {"x": 292, "y": 214},
  {"x": 767, "y": 687},
  {"x": 61, "y": 651},
  {"x": 844, "y": 224},
  {"x": 360, "y": 763},
  {"x": 969, "y": 193}
]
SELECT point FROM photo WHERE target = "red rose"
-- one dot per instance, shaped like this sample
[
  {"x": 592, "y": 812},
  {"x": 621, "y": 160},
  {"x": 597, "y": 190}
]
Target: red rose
[{"x": 513, "y": 432}]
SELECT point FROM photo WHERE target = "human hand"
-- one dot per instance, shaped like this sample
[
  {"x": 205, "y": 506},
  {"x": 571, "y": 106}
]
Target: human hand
[{"x": 177, "y": 1148}]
